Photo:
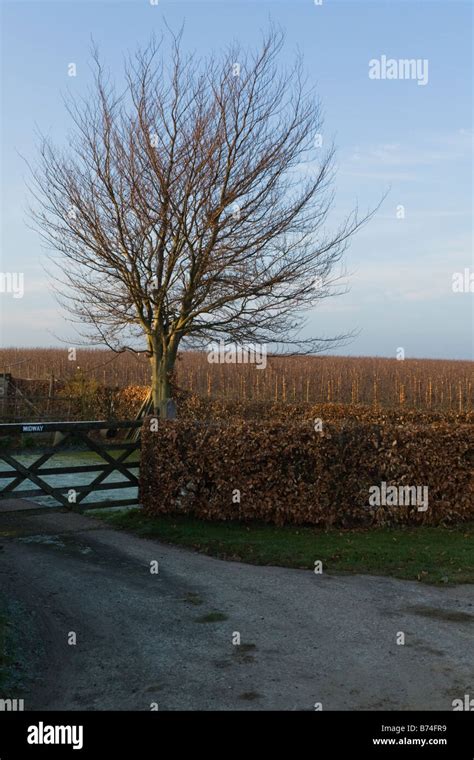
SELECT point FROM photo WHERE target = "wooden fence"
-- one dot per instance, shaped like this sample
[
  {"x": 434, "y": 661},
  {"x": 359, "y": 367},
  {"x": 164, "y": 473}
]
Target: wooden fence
[{"x": 26, "y": 466}]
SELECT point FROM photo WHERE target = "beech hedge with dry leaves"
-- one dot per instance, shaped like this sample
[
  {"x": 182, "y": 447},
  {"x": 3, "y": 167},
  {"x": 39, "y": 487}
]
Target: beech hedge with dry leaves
[{"x": 284, "y": 471}]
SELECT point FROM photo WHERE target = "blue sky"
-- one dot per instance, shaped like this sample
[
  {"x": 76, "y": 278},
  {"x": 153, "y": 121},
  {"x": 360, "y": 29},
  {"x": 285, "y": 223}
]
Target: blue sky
[{"x": 414, "y": 140}]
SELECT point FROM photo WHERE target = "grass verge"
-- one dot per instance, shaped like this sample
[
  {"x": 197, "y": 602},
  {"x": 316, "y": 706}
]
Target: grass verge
[{"x": 432, "y": 555}]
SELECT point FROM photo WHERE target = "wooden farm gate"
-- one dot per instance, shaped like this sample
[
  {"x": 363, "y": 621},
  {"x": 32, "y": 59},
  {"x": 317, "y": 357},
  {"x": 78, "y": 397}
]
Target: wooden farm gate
[{"x": 25, "y": 472}]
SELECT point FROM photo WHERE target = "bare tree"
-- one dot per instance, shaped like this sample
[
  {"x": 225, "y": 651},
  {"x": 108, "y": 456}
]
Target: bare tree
[{"x": 191, "y": 205}]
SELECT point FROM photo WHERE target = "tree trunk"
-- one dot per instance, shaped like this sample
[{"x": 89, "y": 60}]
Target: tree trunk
[{"x": 161, "y": 370}]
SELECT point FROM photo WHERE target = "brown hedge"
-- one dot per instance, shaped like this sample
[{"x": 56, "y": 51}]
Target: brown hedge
[{"x": 286, "y": 472}]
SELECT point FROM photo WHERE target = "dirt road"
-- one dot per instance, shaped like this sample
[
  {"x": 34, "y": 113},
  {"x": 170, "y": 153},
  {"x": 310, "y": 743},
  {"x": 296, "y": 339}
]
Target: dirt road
[{"x": 168, "y": 639}]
